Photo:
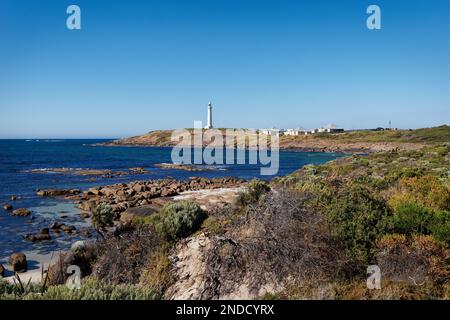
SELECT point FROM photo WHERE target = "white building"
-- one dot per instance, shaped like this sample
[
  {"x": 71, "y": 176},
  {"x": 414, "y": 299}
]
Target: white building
[
  {"x": 295, "y": 132},
  {"x": 274, "y": 131},
  {"x": 209, "y": 120},
  {"x": 331, "y": 128}
]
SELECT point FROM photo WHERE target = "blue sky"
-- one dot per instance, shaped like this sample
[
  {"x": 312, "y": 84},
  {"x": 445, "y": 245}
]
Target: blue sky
[{"x": 141, "y": 65}]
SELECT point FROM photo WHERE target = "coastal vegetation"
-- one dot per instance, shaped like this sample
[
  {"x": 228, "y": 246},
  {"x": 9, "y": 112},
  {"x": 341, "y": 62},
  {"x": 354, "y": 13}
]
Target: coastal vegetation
[
  {"x": 310, "y": 234},
  {"x": 424, "y": 135},
  {"x": 352, "y": 141}
]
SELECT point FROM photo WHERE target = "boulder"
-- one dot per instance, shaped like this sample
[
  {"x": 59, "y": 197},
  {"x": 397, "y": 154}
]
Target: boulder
[
  {"x": 57, "y": 192},
  {"x": 2, "y": 270},
  {"x": 42, "y": 236},
  {"x": 94, "y": 191},
  {"x": 108, "y": 191},
  {"x": 68, "y": 229},
  {"x": 22, "y": 212},
  {"x": 139, "y": 188},
  {"x": 18, "y": 262},
  {"x": 55, "y": 225},
  {"x": 89, "y": 205},
  {"x": 8, "y": 207},
  {"x": 127, "y": 216},
  {"x": 31, "y": 237},
  {"x": 85, "y": 214},
  {"x": 168, "y": 192},
  {"x": 13, "y": 197}
]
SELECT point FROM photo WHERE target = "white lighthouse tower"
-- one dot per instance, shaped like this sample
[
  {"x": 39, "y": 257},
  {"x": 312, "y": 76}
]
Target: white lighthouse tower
[{"x": 209, "y": 122}]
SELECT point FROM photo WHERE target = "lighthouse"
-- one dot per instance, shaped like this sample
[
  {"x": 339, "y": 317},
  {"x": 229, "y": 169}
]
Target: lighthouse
[{"x": 209, "y": 122}]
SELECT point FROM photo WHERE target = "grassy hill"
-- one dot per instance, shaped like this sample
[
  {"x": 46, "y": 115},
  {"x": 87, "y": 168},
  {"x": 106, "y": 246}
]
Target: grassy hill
[
  {"x": 355, "y": 141},
  {"x": 424, "y": 135}
]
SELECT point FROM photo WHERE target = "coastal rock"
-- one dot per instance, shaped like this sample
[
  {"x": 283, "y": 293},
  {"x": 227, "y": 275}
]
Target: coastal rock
[
  {"x": 88, "y": 205},
  {"x": 18, "y": 262},
  {"x": 191, "y": 267},
  {"x": 55, "y": 225},
  {"x": 22, "y": 212},
  {"x": 8, "y": 207},
  {"x": 57, "y": 192},
  {"x": 85, "y": 214},
  {"x": 94, "y": 191},
  {"x": 42, "y": 236},
  {"x": 138, "y": 170},
  {"x": 123, "y": 196},
  {"x": 68, "y": 229},
  {"x": 37, "y": 237},
  {"x": 13, "y": 198},
  {"x": 2, "y": 270},
  {"x": 127, "y": 216},
  {"x": 185, "y": 167}
]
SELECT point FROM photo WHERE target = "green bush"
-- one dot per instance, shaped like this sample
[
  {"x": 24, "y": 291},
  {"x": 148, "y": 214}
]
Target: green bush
[
  {"x": 411, "y": 218},
  {"x": 14, "y": 291},
  {"x": 440, "y": 226},
  {"x": 157, "y": 273},
  {"x": 102, "y": 217},
  {"x": 178, "y": 220},
  {"x": 357, "y": 218},
  {"x": 215, "y": 225},
  {"x": 256, "y": 189},
  {"x": 91, "y": 289}
]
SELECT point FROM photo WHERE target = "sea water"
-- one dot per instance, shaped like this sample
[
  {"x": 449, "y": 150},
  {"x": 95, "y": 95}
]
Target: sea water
[{"x": 19, "y": 157}]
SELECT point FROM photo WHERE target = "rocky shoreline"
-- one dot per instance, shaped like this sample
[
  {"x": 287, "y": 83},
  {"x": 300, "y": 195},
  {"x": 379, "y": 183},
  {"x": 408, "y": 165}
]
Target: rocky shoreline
[
  {"x": 303, "y": 146},
  {"x": 136, "y": 198},
  {"x": 185, "y": 167},
  {"x": 104, "y": 173},
  {"x": 123, "y": 196},
  {"x": 162, "y": 138}
]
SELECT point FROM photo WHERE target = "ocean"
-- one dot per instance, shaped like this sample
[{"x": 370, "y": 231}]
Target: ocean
[{"x": 18, "y": 158}]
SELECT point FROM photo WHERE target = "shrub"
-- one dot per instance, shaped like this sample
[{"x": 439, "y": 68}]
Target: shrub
[
  {"x": 178, "y": 220},
  {"x": 428, "y": 191},
  {"x": 417, "y": 260},
  {"x": 18, "y": 289},
  {"x": 84, "y": 258},
  {"x": 278, "y": 241},
  {"x": 121, "y": 258},
  {"x": 102, "y": 217},
  {"x": 411, "y": 218},
  {"x": 440, "y": 228},
  {"x": 255, "y": 190},
  {"x": 215, "y": 225},
  {"x": 157, "y": 273},
  {"x": 357, "y": 218},
  {"x": 92, "y": 289}
]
